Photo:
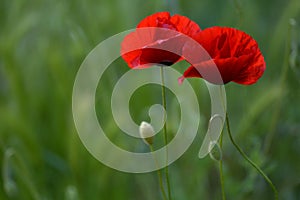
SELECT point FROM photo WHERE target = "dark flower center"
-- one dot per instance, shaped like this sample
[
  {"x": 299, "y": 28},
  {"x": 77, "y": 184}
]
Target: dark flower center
[{"x": 166, "y": 63}]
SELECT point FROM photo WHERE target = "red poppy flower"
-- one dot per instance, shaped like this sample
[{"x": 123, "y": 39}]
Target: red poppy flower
[
  {"x": 235, "y": 54},
  {"x": 146, "y": 46}
]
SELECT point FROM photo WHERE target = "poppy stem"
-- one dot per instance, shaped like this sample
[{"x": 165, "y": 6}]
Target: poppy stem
[
  {"x": 221, "y": 160},
  {"x": 164, "y": 102},
  {"x": 161, "y": 186},
  {"x": 250, "y": 161},
  {"x": 221, "y": 170}
]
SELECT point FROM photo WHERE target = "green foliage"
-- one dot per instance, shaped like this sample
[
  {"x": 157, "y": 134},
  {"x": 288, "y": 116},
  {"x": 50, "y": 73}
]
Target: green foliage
[{"x": 42, "y": 44}]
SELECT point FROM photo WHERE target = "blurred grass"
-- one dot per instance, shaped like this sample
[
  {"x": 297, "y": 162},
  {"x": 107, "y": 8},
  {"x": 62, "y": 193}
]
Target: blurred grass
[{"x": 42, "y": 44}]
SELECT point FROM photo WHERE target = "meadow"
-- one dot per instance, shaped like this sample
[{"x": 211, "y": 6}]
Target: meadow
[{"x": 42, "y": 45}]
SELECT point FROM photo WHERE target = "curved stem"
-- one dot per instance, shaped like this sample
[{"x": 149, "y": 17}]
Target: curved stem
[
  {"x": 161, "y": 186},
  {"x": 164, "y": 102},
  {"x": 250, "y": 161}
]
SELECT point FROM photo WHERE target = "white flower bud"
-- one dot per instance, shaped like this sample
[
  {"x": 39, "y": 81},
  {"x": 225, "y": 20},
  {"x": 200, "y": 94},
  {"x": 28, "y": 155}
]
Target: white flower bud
[{"x": 146, "y": 133}]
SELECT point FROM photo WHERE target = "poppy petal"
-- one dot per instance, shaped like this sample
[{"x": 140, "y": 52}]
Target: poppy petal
[
  {"x": 235, "y": 53},
  {"x": 185, "y": 25},
  {"x": 148, "y": 46},
  {"x": 160, "y": 19}
]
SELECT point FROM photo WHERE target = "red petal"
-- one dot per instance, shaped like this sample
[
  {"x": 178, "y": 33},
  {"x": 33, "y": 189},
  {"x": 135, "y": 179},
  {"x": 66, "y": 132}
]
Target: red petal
[
  {"x": 155, "y": 20},
  {"x": 185, "y": 25},
  {"x": 138, "y": 49},
  {"x": 146, "y": 46},
  {"x": 235, "y": 53}
]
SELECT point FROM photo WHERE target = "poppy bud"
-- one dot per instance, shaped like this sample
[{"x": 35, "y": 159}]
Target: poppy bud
[{"x": 146, "y": 133}]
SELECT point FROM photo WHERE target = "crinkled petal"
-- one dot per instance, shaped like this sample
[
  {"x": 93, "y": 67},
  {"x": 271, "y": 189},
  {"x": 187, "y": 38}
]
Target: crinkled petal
[
  {"x": 148, "y": 45},
  {"x": 235, "y": 53},
  {"x": 185, "y": 25}
]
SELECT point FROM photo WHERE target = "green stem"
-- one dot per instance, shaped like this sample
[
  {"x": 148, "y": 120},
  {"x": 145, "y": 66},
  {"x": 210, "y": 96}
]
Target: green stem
[
  {"x": 161, "y": 186},
  {"x": 221, "y": 145},
  {"x": 250, "y": 161},
  {"x": 164, "y": 102},
  {"x": 221, "y": 170}
]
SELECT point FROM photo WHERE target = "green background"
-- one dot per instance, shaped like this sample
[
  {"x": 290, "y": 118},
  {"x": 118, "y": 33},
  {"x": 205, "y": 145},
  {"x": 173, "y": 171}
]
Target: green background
[{"x": 42, "y": 44}]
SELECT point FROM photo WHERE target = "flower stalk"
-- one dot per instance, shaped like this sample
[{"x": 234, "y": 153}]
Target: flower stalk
[
  {"x": 146, "y": 132},
  {"x": 250, "y": 161},
  {"x": 160, "y": 180},
  {"x": 164, "y": 102},
  {"x": 221, "y": 170}
]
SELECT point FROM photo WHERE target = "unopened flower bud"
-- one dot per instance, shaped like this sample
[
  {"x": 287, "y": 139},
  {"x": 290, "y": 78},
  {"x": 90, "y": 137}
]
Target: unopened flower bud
[{"x": 146, "y": 133}]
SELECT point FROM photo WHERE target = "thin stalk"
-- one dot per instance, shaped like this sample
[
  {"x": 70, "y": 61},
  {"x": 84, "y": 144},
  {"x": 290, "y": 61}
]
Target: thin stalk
[
  {"x": 221, "y": 169},
  {"x": 250, "y": 161},
  {"x": 161, "y": 186},
  {"x": 164, "y": 102},
  {"x": 221, "y": 145}
]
